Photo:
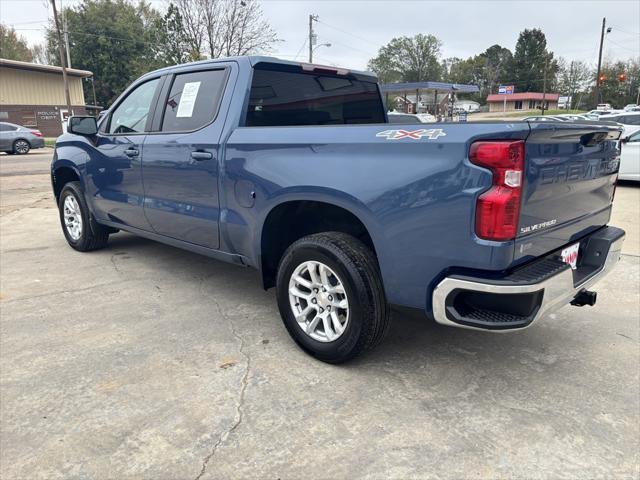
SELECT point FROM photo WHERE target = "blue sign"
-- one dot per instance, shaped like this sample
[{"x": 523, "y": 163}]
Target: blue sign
[{"x": 505, "y": 89}]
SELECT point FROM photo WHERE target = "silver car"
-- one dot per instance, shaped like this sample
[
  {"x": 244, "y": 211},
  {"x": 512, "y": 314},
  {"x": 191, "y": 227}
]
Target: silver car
[{"x": 19, "y": 140}]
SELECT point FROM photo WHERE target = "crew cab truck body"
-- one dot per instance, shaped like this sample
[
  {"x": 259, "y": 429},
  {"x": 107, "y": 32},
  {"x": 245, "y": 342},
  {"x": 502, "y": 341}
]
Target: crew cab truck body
[{"x": 292, "y": 169}]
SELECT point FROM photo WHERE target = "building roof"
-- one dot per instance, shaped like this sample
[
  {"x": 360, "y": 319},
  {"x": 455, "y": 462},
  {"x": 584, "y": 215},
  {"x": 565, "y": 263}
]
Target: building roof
[
  {"x": 438, "y": 86},
  {"x": 36, "y": 67},
  {"x": 498, "y": 97}
]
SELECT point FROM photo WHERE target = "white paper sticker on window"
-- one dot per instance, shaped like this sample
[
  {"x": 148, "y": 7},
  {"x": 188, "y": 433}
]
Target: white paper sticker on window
[{"x": 188, "y": 99}]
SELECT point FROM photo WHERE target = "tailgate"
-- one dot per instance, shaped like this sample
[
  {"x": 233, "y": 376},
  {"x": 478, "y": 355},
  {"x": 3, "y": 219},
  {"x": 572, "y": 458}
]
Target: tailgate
[{"x": 571, "y": 169}]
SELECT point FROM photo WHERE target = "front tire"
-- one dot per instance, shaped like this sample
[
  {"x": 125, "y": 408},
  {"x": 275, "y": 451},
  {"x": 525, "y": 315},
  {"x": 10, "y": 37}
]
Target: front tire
[
  {"x": 81, "y": 232},
  {"x": 331, "y": 297},
  {"x": 21, "y": 147}
]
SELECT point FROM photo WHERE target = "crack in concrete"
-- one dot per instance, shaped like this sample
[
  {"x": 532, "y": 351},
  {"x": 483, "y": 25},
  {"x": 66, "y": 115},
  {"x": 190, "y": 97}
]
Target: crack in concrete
[
  {"x": 8, "y": 209},
  {"x": 240, "y": 404},
  {"x": 75, "y": 290},
  {"x": 115, "y": 266}
]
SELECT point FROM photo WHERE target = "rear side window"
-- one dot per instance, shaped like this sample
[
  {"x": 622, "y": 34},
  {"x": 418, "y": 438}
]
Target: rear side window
[
  {"x": 631, "y": 120},
  {"x": 287, "y": 98},
  {"x": 193, "y": 100},
  {"x": 4, "y": 127}
]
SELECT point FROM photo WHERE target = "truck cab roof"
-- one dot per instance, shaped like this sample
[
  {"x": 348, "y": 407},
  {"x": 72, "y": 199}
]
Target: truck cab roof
[{"x": 253, "y": 60}]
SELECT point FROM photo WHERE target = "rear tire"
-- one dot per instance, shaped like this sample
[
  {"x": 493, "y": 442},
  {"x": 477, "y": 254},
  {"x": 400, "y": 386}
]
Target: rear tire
[
  {"x": 21, "y": 147},
  {"x": 79, "y": 228},
  {"x": 338, "y": 309}
]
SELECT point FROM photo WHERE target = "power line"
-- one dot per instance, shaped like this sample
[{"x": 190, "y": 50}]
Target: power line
[
  {"x": 635, "y": 50},
  {"x": 72, "y": 32},
  {"x": 618, "y": 29},
  {"x": 352, "y": 48},
  {"x": 28, "y": 23},
  {"x": 349, "y": 33},
  {"x": 300, "y": 50}
]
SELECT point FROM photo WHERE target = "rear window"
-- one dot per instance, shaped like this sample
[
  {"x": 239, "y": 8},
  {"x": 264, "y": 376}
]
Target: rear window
[{"x": 287, "y": 98}]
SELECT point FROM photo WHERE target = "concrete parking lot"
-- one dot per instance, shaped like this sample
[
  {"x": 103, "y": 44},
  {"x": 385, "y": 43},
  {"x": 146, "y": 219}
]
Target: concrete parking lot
[{"x": 145, "y": 361}]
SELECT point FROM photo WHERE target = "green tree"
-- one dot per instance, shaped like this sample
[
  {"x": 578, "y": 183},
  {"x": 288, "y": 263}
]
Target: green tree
[
  {"x": 531, "y": 56},
  {"x": 614, "y": 91},
  {"x": 13, "y": 46},
  {"x": 172, "y": 41},
  {"x": 484, "y": 70},
  {"x": 115, "y": 39},
  {"x": 495, "y": 61},
  {"x": 408, "y": 59}
]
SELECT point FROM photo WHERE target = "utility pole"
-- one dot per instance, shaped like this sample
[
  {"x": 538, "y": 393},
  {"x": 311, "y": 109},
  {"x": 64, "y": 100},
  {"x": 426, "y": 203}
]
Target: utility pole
[
  {"x": 544, "y": 85},
  {"x": 93, "y": 88},
  {"x": 312, "y": 37},
  {"x": 597, "y": 89},
  {"x": 66, "y": 39},
  {"x": 61, "y": 52}
]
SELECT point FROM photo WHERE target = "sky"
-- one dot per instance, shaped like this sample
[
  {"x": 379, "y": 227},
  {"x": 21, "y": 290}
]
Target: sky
[{"x": 356, "y": 29}]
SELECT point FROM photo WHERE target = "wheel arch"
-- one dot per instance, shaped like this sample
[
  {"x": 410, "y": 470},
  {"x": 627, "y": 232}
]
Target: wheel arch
[
  {"x": 22, "y": 138},
  {"x": 320, "y": 212},
  {"x": 63, "y": 172}
]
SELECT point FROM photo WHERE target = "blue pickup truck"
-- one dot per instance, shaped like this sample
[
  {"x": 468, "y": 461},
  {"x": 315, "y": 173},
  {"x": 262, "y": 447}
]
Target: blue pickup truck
[{"x": 293, "y": 169}]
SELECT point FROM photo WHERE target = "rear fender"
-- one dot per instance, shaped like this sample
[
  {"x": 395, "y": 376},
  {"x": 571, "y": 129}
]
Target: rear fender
[{"x": 332, "y": 197}]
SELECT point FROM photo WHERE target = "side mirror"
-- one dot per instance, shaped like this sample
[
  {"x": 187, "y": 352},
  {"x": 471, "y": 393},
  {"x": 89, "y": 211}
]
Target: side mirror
[
  {"x": 624, "y": 139},
  {"x": 85, "y": 126}
]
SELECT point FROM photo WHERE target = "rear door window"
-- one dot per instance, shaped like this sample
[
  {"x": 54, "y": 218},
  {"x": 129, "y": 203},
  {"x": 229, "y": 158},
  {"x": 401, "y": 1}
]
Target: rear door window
[
  {"x": 285, "y": 97},
  {"x": 193, "y": 100}
]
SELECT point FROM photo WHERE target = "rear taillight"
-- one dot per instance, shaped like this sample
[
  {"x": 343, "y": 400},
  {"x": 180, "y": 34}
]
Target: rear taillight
[
  {"x": 37, "y": 133},
  {"x": 498, "y": 209}
]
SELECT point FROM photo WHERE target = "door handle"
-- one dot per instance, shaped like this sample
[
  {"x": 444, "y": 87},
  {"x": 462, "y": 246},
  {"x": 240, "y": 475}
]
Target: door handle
[
  {"x": 201, "y": 155},
  {"x": 131, "y": 152}
]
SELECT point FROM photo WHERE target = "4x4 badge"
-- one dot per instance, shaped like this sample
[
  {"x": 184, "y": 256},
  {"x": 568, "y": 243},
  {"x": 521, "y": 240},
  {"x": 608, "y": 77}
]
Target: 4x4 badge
[{"x": 431, "y": 134}]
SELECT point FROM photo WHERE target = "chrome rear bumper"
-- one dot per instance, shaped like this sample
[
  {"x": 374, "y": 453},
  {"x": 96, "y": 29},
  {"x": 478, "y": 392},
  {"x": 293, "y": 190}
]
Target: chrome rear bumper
[{"x": 554, "y": 291}]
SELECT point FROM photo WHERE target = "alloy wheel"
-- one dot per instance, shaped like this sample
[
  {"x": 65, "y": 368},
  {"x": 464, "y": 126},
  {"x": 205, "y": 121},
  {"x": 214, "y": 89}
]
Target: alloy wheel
[{"x": 319, "y": 301}]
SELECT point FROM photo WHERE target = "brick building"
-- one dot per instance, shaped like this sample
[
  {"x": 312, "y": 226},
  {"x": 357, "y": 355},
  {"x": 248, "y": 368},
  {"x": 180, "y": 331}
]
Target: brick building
[
  {"x": 522, "y": 101},
  {"x": 32, "y": 95}
]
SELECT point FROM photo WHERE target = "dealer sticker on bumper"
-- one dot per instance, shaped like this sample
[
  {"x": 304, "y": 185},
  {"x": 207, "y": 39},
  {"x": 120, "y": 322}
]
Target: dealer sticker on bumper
[{"x": 570, "y": 255}]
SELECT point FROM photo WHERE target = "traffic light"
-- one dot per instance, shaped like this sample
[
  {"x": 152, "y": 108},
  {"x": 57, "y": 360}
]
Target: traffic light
[
  {"x": 622, "y": 77},
  {"x": 601, "y": 78}
]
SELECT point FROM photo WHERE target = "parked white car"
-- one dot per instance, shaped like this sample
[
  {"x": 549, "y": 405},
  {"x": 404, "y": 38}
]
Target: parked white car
[
  {"x": 630, "y": 121},
  {"x": 398, "y": 117},
  {"x": 630, "y": 158},
  {"x": 426, "y": 117},
  {"x": 630, "y": 107}
]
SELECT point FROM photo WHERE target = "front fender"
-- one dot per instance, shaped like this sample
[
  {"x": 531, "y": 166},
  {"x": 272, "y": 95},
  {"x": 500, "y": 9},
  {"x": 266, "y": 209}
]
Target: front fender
[{"x": 71, "y": 152}]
